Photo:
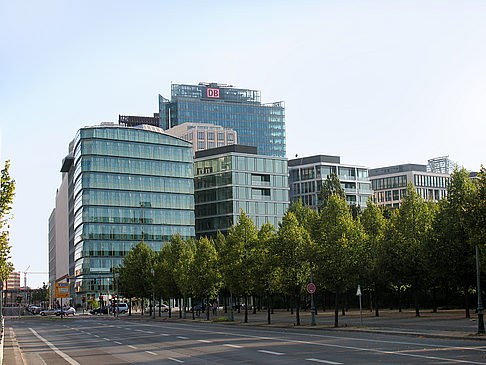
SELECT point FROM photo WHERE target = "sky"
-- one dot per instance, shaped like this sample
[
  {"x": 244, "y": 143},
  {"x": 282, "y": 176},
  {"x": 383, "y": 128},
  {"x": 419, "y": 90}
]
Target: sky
[{"x": 378, "y": 83}]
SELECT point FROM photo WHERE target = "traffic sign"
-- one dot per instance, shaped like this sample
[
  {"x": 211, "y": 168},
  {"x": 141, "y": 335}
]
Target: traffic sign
[
  {"x": 358, "y": 292},
  {"x": 311, "y": 288},
  {"x": 62, "y": 290}
]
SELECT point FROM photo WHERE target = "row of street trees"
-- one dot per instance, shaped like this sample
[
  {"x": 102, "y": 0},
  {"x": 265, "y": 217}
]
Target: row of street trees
[{"x": 421, "y": 247}]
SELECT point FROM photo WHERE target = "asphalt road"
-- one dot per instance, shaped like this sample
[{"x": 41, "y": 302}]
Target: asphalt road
[{"x": 99, "y": 341}]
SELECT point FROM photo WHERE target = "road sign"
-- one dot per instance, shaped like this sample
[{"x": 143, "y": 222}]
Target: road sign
[
  {"x": 358, "y": 292},
  {"x": 311, "y": 288},
  {"x": 62, "y": 290}
]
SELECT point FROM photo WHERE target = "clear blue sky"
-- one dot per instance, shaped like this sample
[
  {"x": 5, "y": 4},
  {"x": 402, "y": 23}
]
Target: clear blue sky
[{"x": 376, "y": 82}]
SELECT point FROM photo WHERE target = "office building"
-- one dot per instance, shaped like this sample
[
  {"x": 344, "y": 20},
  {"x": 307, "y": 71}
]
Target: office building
[
  {"x": 307, "y": 174},
  {"x": 124, "y": 185},
  {"x": 389, "y": 184},
  {"x": 257, "y": 124},
  {"x": 134, "y": 120},
  {"x": 231, "y": 179},
  {"x": 204, "y": 136}
]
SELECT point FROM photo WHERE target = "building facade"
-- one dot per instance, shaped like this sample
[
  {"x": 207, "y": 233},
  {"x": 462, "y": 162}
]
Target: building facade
[
  {"x": 257, "y": 124},
  {"x": 231, "y": 179},
  {"x": 389, "y": 184},
  {"x": 307, "y": 174},
  {"x": 125, "y": 185},
  {"x": 204, "y": 136}
]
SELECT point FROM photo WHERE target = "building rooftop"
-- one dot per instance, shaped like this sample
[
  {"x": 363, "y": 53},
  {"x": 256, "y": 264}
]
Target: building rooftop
[
  {"x": 314, "y": 159},
  {"x": 396, "y": 169},
  {"x": 238, "y": 148}
]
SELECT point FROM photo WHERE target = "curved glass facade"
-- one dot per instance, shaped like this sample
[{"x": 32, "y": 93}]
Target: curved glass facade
[{"x": 128, "y": 185}]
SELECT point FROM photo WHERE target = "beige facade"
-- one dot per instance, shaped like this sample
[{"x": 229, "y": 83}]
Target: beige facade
[{"x": 204, "y": 136}]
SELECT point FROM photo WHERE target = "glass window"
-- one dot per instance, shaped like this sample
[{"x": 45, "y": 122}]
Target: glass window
[
  {"x": 200, "y": 135},
  {"x": 211, "y": 136},
  {"x": 201, "y": 145},
  {"x": 220, "y": 136},
  {"x": 231, "y": 137}
]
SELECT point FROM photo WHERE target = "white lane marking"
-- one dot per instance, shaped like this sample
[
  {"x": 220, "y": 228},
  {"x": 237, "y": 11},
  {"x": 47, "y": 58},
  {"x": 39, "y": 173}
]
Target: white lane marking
[
  {"x": 164, "y": 334},
  {"x": 340, "y": 346},
  {"x": 106, "y": 339},
  {"x": 148, "y": 332},
  {"x": 231, "y": 345},
  {"x": 66, "y": 357},
  {"x": 96, "y": 335},
  {"x": 151, "y": 353},
  {"x": 176, "y": 360},
  {"x": 118, "y": 343},
  {"x": 325, "y": 361},
  {"x": 132, "y": 347},
  {"x": 183, "y": 337},
  {"x": 205, "y": 341},
  {"x": 138, "y": 331},
  {"x": 271, "y": 352}
]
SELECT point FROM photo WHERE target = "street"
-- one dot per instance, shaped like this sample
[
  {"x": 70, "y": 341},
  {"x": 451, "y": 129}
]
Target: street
[{"x": 104, "y": 341}]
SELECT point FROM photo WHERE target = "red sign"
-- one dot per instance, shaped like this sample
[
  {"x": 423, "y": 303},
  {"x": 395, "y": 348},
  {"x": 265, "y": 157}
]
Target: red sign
[
  {"x": 212, "y": 93},
  {"x": 311, "y": 288}
]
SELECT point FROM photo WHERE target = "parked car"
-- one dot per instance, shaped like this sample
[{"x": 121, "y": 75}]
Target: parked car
[
  {"x": 47, "y": 312},
  {"x": 66, "y": 311},
  {"x": 122, "y": 307},
  {"x": 163, "y": 308},
  {"x": 99, "y": 310},
  {"x": 34, "y": 309}
]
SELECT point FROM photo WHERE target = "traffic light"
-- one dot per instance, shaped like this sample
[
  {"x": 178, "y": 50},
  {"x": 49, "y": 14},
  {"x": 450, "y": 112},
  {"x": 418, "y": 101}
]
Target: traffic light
[
  {"x": 67, "y": 278},
  {"x": 83, "y": 299}
]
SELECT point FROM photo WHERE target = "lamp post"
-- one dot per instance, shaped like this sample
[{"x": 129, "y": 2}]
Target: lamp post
[
  {"x": 313, "y": 308},
  {"x": 153, "y": 293},
  {"x": 480, "y": 304}
]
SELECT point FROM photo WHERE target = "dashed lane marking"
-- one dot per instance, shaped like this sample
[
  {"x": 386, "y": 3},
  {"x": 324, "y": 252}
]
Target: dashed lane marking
[
  {"x": 205, "y": 341},
  {"x": 176, "y": 360},
  {"x": 234, "y": 346},
  {"x": 325, "y": 361},
  {"x": 183, "y": 337},
  {"x": 271, "y": 352},
  {"x": 132, "y": 347},
  {"x": 151, "y": 353}
]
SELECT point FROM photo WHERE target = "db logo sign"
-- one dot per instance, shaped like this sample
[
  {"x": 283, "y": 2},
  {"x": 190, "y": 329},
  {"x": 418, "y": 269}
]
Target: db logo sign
[{"x": 212, "y": 93}]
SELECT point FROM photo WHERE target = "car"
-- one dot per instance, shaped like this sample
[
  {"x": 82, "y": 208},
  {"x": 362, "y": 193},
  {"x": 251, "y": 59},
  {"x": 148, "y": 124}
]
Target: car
[
  {"x": 47, "y": 312},
  {"x": 122, "y": 307},
  {"x": 34, "y": 309},
  {"x": 163, "y": 308},
  {"x": 66, "y": 311},
  {"x": 99, "y": 310}
]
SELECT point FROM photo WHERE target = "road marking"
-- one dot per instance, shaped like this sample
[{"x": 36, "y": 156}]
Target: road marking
[
  {"x": 96, "y": 335},
  {"x": 118, "y": 343},
  {"x": 132, "y": 347},
  {"x": 66, "y": 357},
  {"x": 106, "y": 339},
  {"x": 151, "y": 353},
  {"x": 325, "y": 361},
  {"x": 231, "y": 345},
  {"x": 183, "y": 338},
  {"x": 340, "y": 346},
  {"x": 205, "y": 341},
  {"x": 148, "y": 332},
  {"x": 164, "y": 334},
  {"x": 271, "y": 352},
  {"x": 176, "y": 360},
  {"x": 138, "y": 330}
]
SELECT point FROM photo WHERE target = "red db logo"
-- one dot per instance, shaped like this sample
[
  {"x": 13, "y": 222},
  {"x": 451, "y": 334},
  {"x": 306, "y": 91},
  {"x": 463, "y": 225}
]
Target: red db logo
[{"x": 212, "y": 93}]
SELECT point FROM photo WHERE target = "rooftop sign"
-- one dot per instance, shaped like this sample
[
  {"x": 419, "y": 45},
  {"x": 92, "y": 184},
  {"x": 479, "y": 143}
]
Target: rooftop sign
[{"x": 212, "y": 93}]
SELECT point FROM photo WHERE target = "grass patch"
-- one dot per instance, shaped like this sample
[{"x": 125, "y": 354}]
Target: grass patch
[{"x": 221, "y": 319}]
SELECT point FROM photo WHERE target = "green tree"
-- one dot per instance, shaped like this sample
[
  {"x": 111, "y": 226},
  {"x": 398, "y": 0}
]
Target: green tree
[
  {"x": 237, "y": 258},
  {"x": 135, "y": 272},
  {"x": 204, "y": 273},
  {"x": 331, "y": 186},
  {"x": 182, "y": 255},
  {"x": 293, "y": 254},
  {"x": 338, "y": 248},
  {"x": 372, "y": 272},
  {"x": 7, "y": 192}
]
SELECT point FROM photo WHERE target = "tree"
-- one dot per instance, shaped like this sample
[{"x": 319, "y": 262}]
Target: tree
[
  {"x": 293, "y": 254},
  {"x": 135, "y": 276},
  {"x": 331, "y": 186},
  {"x": 338, "y": 248},
  {"x": 204, "y": 271},
  {"x": 237, "y": 258},
  {"x": 7, "y": 192},
  {"x": 374, "y": 225}
]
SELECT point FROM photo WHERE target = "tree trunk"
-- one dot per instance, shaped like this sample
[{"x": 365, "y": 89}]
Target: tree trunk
[
  {"x": 130, "y": 307},
  {"x": 246, "y": 308},
  {"x": 466, "y": 300},
  {"x": 184, "y": 300},
  {"x": 269, "y": 317},
  {"x": 170, "y": 310},
  {"x": 180, "y": 308},
  {"x": 225, "y": 304},
  {"x": 297, "y": 307},
  {"x": 434, "y": 300},
  {"x": 399, "y": 299},
  {"x": 377, "y": 307},
  {"x": 207, "y": 308},
  {"x": 160, "y": 307},
  {"x": 417, "y": 309},
  {"x": 336, "y": 310},
  {"x": 254, "y": 306},
  {"x": 371, "y": 300},
  {"x": 232, "y": 318},
  {"x": 143, "y": 305}
]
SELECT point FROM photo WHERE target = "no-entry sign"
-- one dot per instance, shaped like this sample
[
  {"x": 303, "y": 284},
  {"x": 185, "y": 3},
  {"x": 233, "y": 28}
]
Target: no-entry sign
[{"x": 311, "y": 288}]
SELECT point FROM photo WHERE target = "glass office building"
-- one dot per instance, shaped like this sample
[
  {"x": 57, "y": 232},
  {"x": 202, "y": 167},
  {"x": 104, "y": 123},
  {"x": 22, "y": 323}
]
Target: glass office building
[
  {"x": 307, "y": 175},
  {"x": 127, "y": 184},
  {"x": 233, "y": 178},
  {"x": 256, "y": 124}
]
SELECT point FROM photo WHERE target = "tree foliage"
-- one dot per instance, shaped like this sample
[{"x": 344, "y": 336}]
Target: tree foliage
[{"x": 7, "y": 192}]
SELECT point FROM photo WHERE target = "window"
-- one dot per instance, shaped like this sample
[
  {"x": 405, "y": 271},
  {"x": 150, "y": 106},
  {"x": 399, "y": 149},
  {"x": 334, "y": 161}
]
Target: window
[
  {"x": 220, "y": 136},
  {"x": 230, "y": 137},
  {"x": 210, "y": 144},
  {"x": 200, "y": 135},
  {"x": 211, "y": 136},
  {"x": 201, "y": 145}
]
